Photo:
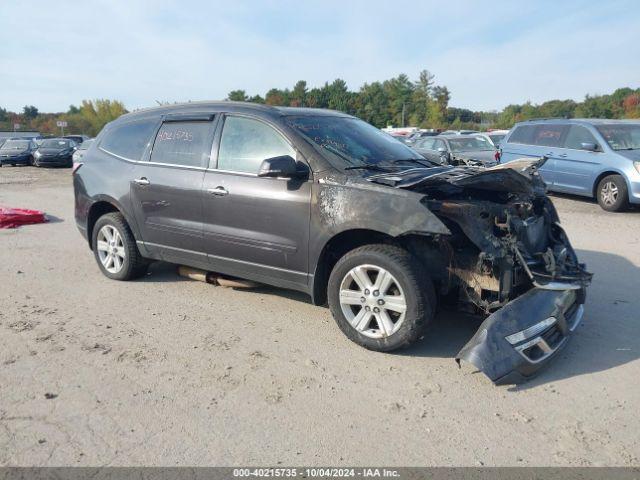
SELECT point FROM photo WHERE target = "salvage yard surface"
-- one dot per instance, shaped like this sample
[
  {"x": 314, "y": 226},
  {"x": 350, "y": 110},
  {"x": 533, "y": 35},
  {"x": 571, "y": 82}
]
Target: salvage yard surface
[{"x": 166, "y": 371}]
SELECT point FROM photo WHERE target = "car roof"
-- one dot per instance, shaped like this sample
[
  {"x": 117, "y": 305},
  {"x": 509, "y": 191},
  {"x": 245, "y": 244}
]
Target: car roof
[
  {"x": 231, "y": 107},
  {"x": 577, "y": 121}
]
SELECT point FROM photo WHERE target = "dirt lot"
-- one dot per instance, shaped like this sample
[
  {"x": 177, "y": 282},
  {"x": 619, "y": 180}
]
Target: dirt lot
[{"x": 166, "y": 371}]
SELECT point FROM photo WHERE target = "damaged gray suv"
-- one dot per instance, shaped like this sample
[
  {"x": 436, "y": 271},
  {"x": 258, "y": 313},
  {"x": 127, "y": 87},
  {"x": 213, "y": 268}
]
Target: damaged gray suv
[{"x": 324, "y": 203}]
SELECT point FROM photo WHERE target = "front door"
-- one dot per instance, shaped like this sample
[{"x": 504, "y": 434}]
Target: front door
[
  {"x": 576, "y": 166},
  {"x": 167, "y": 191},
  {"x": 255, "y": 227}
]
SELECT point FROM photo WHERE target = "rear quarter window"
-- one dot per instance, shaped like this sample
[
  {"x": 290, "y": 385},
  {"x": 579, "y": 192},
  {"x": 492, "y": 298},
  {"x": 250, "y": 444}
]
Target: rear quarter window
[{"x": 129, "y": 140}]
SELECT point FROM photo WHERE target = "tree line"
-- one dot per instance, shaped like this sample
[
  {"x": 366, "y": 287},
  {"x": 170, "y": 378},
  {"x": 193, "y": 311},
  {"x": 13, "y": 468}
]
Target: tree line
[
  {"x": 398, "y": 101},
  {"x": 88, "y": 118}
]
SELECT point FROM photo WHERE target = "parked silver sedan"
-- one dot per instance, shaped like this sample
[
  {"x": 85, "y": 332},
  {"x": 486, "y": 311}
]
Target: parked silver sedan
[{"x": 470, "y": 149}]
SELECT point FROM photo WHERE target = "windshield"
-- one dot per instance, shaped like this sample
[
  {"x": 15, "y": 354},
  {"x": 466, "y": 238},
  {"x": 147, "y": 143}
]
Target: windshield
[
  {"x": 468, "y": 144},
  {"x": 621, "y": 137},
  {"x": 351, "y": 141},
  {"x": 56, "y": 144},
  {"x": 15, "y": 145}
]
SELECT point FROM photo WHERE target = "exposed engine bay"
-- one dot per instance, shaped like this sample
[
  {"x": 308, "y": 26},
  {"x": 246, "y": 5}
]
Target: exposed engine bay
[{"x": 505, "y": 241}]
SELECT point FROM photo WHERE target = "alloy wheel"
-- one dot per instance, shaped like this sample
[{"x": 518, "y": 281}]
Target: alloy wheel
[
  {"x": 110, "y": 249},
  {"x": 609, "y": 193},
  {"x": 372, "y": 301}
]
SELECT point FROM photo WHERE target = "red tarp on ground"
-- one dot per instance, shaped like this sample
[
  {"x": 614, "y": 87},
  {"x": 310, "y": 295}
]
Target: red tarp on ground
[{"x": 14, "y": 217}]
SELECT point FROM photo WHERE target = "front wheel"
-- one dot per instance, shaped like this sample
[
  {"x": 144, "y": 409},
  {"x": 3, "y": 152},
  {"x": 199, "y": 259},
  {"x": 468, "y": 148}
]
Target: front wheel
[
  {"x": 115, "y": 249},
  {"x": 380, "y": 298},
  {"x": 612, "y": 193}
]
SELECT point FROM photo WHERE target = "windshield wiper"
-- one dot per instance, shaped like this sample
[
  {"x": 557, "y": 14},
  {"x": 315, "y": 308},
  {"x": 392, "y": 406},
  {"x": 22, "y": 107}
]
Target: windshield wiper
[
  {"x": 369, "y": 166},
  {"x": 424, "y": 163}
]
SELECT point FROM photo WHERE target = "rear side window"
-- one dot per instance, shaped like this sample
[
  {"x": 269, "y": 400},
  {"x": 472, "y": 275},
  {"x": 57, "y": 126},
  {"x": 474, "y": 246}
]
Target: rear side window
[
  {"x": 183, "y": 143},
  {"x": 549, "y": 135},
  {"x": 523, "y": 134},
  {"x": 245, "y": 143},
  {"x": 578, "y": 135},
  {"x": 129, "y": 140}
]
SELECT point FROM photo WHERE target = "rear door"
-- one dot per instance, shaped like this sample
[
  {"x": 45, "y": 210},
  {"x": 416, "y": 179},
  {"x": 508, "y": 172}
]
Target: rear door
[
  {"x": 167, "y": 189},
  {"x": 548, "y": 141},
  {"x": 534, "y": 141},
  {"x": 576, "y": 167},
  {"x": 255, "y": 227}
]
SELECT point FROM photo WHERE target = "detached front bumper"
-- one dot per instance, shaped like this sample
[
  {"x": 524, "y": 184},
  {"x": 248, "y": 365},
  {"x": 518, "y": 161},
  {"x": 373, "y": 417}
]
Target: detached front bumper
[{"x": 522, "y": 337}]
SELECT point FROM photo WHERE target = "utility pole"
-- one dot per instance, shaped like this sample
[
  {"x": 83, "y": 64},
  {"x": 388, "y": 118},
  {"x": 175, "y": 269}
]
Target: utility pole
[{"x": 403, "y": 105}]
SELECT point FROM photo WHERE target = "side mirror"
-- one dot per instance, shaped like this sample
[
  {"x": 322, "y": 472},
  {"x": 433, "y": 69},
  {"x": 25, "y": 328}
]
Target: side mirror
[
  {"x": 592, "y": 147},
  {"x": 283, "y": 166}
]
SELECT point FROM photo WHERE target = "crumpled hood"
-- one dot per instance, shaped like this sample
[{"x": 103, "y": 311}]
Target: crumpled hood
[{"x": 518, "y": 176}]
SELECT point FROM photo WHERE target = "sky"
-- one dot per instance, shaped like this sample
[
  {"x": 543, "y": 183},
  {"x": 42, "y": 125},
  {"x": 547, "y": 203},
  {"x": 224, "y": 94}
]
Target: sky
[{"x": 488, "y": 53}]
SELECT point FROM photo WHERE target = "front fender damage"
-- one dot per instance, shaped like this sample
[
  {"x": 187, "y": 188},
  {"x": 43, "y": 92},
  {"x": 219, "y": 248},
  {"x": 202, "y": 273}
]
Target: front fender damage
[{"x": 519, "y": 339}]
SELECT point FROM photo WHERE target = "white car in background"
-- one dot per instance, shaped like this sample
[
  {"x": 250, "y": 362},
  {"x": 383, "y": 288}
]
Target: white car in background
[
  {"x": 82, "y": 149},
  {"x": 495, "y": 136}
]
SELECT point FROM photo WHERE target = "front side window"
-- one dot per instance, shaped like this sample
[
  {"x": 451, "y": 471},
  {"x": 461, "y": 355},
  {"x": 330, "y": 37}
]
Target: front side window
[
  {"x": 245, "y": 143},
  {"x": 497, "y": 138},
  {"x": 129, "y": 140},
  {"x": 621, "y": 136},
  {"x": 578, "y": 135},
  {"x": 183, "y": 143},
  {"x": 549, "y": 135}
]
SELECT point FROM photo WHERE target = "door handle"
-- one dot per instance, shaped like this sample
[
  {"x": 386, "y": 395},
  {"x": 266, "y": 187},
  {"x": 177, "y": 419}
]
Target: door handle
[
  {"x": 548, "y": 154},
  {"x": 219, "y": 191},
  {"x": 142, "y": 181},
  {"x": 563, "y": 155}
]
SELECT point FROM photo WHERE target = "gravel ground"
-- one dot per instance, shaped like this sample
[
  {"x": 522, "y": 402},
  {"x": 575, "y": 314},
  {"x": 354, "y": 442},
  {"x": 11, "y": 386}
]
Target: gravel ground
[{"x": 167, "y": 371}]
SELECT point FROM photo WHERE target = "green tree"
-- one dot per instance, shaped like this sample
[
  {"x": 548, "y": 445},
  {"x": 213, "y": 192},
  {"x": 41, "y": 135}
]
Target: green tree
[
  {"x": 237, "y": 96},
  {"x": 298, "y": 94},
  {"x": 371, "y": 104},
  {"x": 29, "y": 112}
]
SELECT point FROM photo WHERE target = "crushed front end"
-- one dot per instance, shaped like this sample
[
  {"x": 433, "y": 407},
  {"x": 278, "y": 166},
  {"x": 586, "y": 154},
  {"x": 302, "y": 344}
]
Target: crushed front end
[{"x": 508, "y": 258}]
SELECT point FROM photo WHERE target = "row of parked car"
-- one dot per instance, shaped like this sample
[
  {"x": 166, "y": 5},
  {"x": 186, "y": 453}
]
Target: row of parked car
[
  {"x": 38, "y": 151},
  {"x": 595, "y": 158}
]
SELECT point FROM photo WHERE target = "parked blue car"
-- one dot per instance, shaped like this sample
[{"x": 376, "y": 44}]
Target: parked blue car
[{"x": 594, "y": 158}]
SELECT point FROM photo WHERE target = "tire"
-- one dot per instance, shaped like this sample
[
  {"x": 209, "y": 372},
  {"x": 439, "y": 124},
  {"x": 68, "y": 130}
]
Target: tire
[
  {"x": 407, "y": 280},
  {"x": 131, "y": 264},
  {"x": 612, "y": 193}
]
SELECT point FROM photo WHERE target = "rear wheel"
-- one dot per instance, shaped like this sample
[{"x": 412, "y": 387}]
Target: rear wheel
[
  {"x": 115, "y": 248},
  {"x": 612, "y": 193},
  {"x": 379, "y": 297}
]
